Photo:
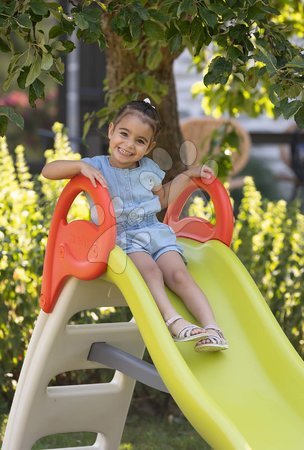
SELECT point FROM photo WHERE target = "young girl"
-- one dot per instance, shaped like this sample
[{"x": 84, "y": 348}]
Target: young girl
[{"x": 135, "y": 185}]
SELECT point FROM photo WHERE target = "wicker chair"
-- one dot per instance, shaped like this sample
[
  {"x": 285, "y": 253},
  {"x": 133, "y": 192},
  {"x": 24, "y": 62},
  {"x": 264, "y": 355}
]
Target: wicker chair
[{"x": 199, "y": 132}]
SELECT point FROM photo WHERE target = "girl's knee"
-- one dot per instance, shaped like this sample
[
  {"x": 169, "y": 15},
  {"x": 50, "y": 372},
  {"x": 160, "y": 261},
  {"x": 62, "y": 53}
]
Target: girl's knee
[
  {"x": 152, "y": 271},
  {"x": 180, "y": 276}
]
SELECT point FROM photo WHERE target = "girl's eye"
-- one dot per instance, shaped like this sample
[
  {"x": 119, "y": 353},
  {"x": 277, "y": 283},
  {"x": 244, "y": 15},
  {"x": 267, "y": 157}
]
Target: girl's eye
[
  {"x": 123, "y": 133},
  {"x": 141, "y": 142}
]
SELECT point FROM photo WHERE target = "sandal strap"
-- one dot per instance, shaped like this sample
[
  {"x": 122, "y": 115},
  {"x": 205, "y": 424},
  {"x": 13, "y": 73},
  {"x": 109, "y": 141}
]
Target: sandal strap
[
  {"x": 186, "y": 331},
  {"x": 218, "y": 332},
  {"x": 215, "y": 328},
  {"x": 172, "y": 320},
  {"x": 212, "y": 327}
]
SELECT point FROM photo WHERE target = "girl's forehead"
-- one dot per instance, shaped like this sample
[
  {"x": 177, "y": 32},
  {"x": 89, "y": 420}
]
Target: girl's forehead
[{"x": 136, "y": 124}]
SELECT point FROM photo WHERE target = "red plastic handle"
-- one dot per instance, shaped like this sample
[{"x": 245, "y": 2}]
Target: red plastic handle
[
  {"x": 199, "y": 229},
  {"x": 79, "y": 248}
]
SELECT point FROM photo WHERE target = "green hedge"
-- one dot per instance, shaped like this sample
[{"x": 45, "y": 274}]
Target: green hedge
[
  {"x": 268, "y": 239},
  {"x": 26, "y": 207}
]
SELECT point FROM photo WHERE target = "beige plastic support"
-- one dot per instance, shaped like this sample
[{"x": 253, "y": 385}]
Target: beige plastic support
[{"x": 40, "y": 410}]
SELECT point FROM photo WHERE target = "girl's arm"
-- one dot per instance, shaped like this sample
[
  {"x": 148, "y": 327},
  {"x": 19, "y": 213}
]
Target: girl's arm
[
  {"x": 170, "y": 191},
  {"x": 62, "y": 169}
]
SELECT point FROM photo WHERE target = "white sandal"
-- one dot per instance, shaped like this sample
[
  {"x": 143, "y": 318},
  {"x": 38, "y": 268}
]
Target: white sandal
[
  {"x": 212, "y": 342},
  {"x": 185, "y": 334}
]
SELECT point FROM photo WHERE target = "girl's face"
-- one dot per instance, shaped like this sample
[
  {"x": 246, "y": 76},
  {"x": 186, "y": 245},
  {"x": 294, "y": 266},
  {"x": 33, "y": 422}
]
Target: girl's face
[{"x": 130, "y": 140}]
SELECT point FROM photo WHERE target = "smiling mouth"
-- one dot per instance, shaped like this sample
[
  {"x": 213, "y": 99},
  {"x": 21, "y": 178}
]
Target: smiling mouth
[{"x": 124, "y": 152}]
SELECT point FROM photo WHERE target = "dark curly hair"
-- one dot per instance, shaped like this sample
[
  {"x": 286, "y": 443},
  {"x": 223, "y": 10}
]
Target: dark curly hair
[{"x": 145, "y": 110}]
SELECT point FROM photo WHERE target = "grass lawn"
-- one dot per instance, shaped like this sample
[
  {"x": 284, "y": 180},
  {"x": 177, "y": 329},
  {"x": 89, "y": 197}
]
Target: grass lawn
[{"x": 141, "y": 433}]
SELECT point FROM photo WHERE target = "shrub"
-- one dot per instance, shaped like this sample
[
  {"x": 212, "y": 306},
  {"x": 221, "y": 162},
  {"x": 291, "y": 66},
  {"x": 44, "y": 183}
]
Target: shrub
[
  {"x": 269, "y": 240},
  {"x": 26, "y": 207}
]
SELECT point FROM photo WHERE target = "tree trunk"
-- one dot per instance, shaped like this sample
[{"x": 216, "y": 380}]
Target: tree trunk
[{"x": 120, "y": 63}]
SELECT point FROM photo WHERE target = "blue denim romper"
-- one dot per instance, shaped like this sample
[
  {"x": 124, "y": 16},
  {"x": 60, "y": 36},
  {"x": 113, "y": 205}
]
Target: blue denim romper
[{"x": 135, "y": 206}]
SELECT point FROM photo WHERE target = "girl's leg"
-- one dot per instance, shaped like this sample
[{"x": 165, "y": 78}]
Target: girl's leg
[
  {"x": 152, "y": 274},
  {"x": 178, "y": 279}
]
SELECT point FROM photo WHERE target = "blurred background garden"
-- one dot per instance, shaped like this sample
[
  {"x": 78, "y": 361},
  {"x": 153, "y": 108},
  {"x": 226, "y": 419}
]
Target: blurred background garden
[{"x": 242, "y": 112}]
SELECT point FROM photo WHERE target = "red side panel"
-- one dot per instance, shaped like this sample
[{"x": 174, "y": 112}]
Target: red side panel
[
  {"x": 79, "y": 248},
  {"x": 200, "y": 229}
]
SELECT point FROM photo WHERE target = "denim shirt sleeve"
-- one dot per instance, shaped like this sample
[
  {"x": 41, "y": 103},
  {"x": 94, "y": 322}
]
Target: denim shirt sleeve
[
  {"x": 96, "y": 162},
  {"x": 152, "y": 174}
]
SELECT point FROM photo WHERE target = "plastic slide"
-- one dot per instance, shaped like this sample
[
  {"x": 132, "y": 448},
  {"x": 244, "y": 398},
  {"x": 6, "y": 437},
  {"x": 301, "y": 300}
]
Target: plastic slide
[{"x": 250, "y": 397}]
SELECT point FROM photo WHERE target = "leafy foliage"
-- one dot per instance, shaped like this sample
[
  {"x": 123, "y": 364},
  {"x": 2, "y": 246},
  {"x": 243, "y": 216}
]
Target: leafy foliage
[
  {"x": 26, "y": 207},
  {"x": 252, "y": 56},
  {"x": 258, "y": 68},
  {"x": 224, "y": 142},
  {"x": 269, "y": 240},
  {"x": 31, "y": 32}
]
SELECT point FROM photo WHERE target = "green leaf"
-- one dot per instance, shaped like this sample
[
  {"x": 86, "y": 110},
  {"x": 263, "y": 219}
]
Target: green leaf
[
  {"x": 67, "y": 25},
  {"x": 270, "y": 10},
  {"x": 69, "y": 46},
  {"x": 252, "y": 76},
  {"x": 92, "y": 15},
  {"x": 267, "y": 58},
  {"x": 34, "y": 72},
  {"x": 21, "y": 80},
  {"x": 255, "y": 13},
  {"x": 185, "y": 6},
  {"x": 238, "y": 32},
  {"x": 297, "y": 62},
  {"x": 36, "y": 91},
  {"x": 59, "y": 65},
  {"x": 176, "y": 43},
  {"x": 55, "y": 31},
  {"x": 39, "y": 86},
  {"x": 47, "y": 61},
  {"x": 218, "y": 8},
  {"x": 153, "y": 30},
  {"x": 143, "y": 13},
  {"x": 196, "y": 28},
  {"x": 9, "y": 80},
  {"x": 12, "y": 115},
  {"x": 219, "y": 71},
  {"x": 209, "y": 17},
  {"x": 57, "y": 77},
  {"x": 275, "y": 94},
  {"x": 118, "y": 23},
  {"x": 39, "y": 7},
  {"x": 158, "y": 16},
  {"x": 81, "y": 21},
  {"x": 58, "y": 45},
  {"x": 24, "y": 21},
  {"x": 299, "y": 117},
  {"x": 235, "y": 51},
  {"x": 135, "y": 26},
  {"x": 289, "y": 109}
]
